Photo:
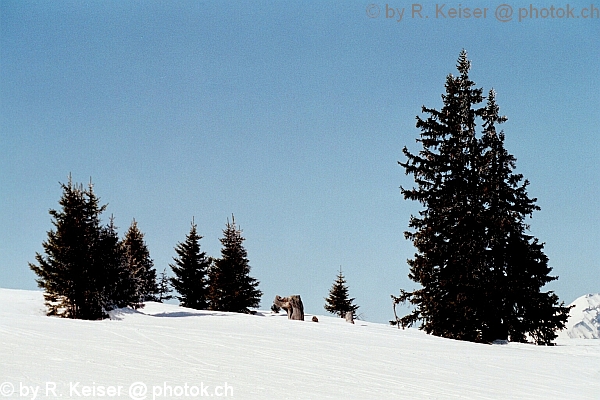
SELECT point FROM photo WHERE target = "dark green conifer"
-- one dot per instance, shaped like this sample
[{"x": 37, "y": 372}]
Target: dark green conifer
[
  {"x": 517, "y": 267},
  {"x": 338, "y": 301},
  {"x": 231, "y": 286},
  {"x": 164, "y": 287},
  {"x": 140, "y": 264},
  {"x": 191, "y": 272},
  {"x": 480, "y": 274},
  {"x": 118, "y": 283},
  {"x": 61, "y": 271},
  {"x": 79, "y": 272}
]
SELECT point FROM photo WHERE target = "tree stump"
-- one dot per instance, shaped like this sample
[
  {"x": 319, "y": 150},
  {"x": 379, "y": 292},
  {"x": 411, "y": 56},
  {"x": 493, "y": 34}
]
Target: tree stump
[
  {"x": 292, "y": 305},
  {"x": 349, "y": 317}
]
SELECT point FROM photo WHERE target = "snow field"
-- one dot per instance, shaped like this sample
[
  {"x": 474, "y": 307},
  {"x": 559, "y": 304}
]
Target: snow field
[{"x": 164, "y": 351}]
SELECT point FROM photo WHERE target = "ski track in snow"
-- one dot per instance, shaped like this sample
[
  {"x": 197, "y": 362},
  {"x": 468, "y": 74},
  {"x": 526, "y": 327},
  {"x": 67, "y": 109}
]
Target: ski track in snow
[{"x": 266, "y": 356}]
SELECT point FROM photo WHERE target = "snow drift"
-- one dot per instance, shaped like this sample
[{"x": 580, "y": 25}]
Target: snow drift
[
  {"x": 169, "y": 352},
  {"x": 584, "y": 318}
]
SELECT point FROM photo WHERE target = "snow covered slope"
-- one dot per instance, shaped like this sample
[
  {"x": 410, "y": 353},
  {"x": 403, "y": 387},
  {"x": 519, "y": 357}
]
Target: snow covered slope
[
  {"x": 167, "y": 352},
  {"x": 584, "y": 319}
]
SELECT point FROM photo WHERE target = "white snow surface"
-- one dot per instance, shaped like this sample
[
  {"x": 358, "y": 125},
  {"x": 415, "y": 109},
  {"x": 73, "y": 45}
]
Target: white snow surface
[
  {"x": 165, "y": 352},
  {"x": 584, "y": 318}
]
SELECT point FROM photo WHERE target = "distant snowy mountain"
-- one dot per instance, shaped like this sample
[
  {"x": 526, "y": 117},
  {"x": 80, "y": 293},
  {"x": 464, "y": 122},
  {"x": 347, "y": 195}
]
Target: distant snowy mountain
[
  {"x": 164, "y": 352},
  {"x": 584, "y": 318}
]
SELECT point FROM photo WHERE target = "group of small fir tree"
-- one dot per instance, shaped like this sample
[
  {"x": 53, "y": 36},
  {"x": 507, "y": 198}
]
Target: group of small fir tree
[
  {"x": 222, "y": 284},
  {"x": 87, "y": 270}
]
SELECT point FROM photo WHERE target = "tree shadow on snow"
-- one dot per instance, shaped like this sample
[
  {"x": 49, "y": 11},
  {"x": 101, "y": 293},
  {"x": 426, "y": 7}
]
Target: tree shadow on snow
[{"x": 182, "y": 314}]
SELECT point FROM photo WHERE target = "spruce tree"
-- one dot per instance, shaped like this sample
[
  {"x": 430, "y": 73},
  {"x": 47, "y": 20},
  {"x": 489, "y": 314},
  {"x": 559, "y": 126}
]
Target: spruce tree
[
  {"x": 480, "y": 274},
  {"x": 338, "y": 301},
  {"x": 117, "y": 281},
  {"x": 191, "y": 272},
  {"x": 66, "y": 255},
  {"x": 164, "y": 287},
  {"x": 518, "y": 268},
  {"x": 140, "y": 264},
  {"x": 231, "y": 286},
  {"x": 446, "y": 230}
]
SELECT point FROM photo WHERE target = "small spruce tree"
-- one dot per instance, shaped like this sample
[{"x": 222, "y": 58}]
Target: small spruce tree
[
  {"x": 231, "y": 286},
  {"x": 338, "y": 301},
  {"x": 191, "y": 272},
  {"x": 164, "y": 287},
  {"x": 117, "y": 281},
  {"x": 140, "y": 264}
]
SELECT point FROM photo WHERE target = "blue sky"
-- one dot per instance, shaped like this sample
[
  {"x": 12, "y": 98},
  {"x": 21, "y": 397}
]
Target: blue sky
[{"x": 292, "y": 117}]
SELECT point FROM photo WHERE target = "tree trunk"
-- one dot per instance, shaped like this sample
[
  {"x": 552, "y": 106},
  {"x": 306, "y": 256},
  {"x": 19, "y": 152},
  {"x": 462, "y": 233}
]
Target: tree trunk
[{"x": 292, "y": 305}]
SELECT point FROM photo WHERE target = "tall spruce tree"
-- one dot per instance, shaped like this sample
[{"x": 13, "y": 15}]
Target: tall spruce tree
[
  {"x": 191, "y": 272},
  {"x": 338, "y": 301},
  {"x": 518, "y": 268},
  {"x": 480, "y": 273},
  {"x": 140, "y": 264},
  {"x": 231, "y": 286}
]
